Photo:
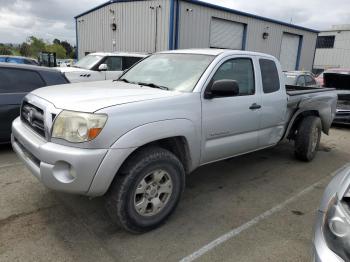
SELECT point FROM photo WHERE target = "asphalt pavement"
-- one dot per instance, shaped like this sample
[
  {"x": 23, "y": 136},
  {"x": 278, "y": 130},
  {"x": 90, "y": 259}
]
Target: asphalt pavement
[{"x": 256, "y": 207}]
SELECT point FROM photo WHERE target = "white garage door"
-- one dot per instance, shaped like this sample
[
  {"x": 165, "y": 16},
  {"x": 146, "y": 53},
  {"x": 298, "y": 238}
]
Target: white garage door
[
  {"x": 289, "y": 51},
  {"x": 226, "y": 34}
]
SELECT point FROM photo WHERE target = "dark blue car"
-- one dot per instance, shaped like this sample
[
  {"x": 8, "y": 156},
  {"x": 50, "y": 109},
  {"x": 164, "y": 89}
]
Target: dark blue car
[
  {"x": 18, "y": 60},
  {"x": 15, "y": 82}
]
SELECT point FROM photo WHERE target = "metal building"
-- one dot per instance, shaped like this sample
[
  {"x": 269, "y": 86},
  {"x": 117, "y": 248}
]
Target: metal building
[
  {"x": 333, "y": 48},
  {"x": 155, "y": 25}
]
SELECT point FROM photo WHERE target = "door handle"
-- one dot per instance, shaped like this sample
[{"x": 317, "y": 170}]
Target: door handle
[{"x": 254, "y": 106}]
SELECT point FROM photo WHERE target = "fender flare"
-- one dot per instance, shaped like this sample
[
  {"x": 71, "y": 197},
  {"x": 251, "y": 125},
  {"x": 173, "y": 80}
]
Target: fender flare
[
  {"x": 135, "y": 138},
  {"x": 324, "y": 110},
  {"x": 154, "y": 131}
]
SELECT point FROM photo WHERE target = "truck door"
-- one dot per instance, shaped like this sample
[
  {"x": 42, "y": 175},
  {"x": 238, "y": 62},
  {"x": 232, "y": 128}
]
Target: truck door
[
  {"x": 230, "y": 124},
  {"x": 114, "y": 67},
  {"x": 273, "y": 104}
]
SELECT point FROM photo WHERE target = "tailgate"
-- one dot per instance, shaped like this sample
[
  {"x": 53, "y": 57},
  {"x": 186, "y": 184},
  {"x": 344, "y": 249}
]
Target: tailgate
[{"x": 337, "y": 80}]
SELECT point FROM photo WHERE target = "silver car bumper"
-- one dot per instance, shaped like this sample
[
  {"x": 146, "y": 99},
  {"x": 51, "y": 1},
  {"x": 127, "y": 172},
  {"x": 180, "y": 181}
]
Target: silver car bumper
[
  {"x": 64, "y": 168},
  {"x": 332, "y": 228}
]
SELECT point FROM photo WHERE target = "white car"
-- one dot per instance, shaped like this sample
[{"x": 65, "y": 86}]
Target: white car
[{"x": 100, "y": 66}]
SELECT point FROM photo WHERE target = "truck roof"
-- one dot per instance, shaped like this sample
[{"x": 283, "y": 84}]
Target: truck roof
[
  {"x": 134, "y": 54},
  {"x": 216, "y": 52},
  {"x": 297, "y": 73}
]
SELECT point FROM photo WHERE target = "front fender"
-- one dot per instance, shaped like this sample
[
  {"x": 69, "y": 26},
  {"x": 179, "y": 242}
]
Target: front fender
[
  {"x": 158, "y": 130},
  {"x": 139, "y": 136}
]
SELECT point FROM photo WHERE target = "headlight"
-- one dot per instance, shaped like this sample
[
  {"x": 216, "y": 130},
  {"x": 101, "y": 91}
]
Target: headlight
[
  {"x": 78, "y": 127},
  {"x": 337, "y": 228}
]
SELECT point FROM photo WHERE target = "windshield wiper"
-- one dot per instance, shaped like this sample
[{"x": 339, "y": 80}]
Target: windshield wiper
[
  {"x": 122, "y": 80},
  {"x": 152, "y": 85}
]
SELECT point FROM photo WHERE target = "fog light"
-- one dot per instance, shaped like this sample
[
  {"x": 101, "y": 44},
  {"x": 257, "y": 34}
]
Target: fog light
[
  {"x": 64, "y": 172},
  {"x": 338, "y": 227}
]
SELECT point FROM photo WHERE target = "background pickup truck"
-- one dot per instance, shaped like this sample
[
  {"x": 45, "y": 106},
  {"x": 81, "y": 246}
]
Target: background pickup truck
[
  {"x": 340, "y": 80},
  {"x": 100, "y": 66},
  {"x": 135, "y": 139}
]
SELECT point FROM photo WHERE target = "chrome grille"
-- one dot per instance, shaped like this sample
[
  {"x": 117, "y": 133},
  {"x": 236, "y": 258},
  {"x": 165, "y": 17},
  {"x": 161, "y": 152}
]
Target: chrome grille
[
  {"x": 343, "y": 105},
  {"x": 343, "y": 102},
  {"x": 33, "y": 116}
]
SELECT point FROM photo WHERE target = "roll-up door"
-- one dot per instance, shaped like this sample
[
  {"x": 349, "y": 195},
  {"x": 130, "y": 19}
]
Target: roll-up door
[
  {"x": 289, "y": 51},
  {"x": 226, "y": 34}
]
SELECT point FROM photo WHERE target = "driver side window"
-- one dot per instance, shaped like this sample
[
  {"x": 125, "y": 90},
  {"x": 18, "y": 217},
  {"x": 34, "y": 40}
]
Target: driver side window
[
  {"x": 114, "y": 63},
  {"x": 240, "y": 70}
]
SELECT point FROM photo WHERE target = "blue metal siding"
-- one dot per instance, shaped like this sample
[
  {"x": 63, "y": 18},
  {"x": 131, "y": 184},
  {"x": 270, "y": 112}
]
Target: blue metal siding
[
  {"x": 244, "y": 40},
  {"x": 299, "y": 52},
  {"x": 177, "y": 19},
  {"x": 76, "y": 39},
  {"x": 171, "y": 25}
]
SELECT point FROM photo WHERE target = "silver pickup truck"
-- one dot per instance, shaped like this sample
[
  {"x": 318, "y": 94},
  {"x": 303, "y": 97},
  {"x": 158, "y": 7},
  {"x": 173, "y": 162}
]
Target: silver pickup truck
[{"x": 135, "y": 139}]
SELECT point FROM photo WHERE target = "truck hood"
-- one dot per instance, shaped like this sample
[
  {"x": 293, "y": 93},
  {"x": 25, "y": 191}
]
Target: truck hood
[
  {"x": 92, "y": 96},
  {"x": 71, "y": 69}
]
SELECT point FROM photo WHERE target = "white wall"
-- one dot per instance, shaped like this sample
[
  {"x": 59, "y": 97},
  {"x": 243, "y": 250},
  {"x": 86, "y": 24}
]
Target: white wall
[{"x": 339, "y": 56}]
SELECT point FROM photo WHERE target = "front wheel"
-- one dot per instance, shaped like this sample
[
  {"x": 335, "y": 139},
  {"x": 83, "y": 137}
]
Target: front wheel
[
  {"x": 147, "y": 191},
  {"x": 308, "y": 138}
]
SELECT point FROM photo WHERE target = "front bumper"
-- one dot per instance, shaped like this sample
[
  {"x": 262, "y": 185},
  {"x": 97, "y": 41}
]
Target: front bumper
[
  {"x": 322, "y": 253},
  {"x": 64, "y": 168}
]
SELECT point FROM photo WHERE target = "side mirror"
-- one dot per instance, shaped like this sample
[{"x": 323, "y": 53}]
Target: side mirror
[
  {"x": 223, "y": 88},
  {"x": 103, "y": 67}
]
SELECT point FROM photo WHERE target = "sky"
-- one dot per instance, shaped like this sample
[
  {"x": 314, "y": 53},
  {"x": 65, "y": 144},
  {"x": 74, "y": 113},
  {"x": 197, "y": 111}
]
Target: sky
[{"x": 49, "y": 19}]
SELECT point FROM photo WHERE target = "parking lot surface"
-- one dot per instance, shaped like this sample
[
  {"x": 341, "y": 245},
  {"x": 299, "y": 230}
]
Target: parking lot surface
[{"x": 257, "y": 207}]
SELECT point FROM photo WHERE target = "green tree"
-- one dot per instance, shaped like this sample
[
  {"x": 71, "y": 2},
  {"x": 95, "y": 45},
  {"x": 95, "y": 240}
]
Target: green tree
[
  {"x": 67, "y": 46},
  {"x": 56, "y": 41},
  {"x": 37, "y": 45},
  {"x": 5, "y": 50},
  {"x": 58, "y": 49},
  {"x": 24, "y": 49},
  {"x": 73, "y": 54}
]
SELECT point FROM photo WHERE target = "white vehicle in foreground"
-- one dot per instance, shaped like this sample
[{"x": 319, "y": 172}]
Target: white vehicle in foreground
[{"x": 100, "y": 66}]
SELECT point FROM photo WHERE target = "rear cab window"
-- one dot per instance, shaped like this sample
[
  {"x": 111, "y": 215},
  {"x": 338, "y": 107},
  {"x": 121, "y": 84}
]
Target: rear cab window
[
  {"x": 13, "y": 80},
  {"x": 269, "y": 76}
]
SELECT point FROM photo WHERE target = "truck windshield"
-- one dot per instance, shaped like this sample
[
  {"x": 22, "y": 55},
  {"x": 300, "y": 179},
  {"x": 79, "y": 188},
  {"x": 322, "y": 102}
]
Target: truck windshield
[
  {"x": 88, "y": 61},
  {"x": 179, "y": 72}
]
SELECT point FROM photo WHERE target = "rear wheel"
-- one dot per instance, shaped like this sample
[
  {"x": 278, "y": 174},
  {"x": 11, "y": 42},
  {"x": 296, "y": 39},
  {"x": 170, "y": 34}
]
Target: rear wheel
[
  {"x": 308, "y": 138},
  {"x": 147, "y": 191}
]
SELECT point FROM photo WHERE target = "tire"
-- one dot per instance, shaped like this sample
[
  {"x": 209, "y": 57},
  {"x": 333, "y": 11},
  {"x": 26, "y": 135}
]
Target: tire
[
  {"x": 308, "y": 138},
  {"x": 137, "y": 201}
]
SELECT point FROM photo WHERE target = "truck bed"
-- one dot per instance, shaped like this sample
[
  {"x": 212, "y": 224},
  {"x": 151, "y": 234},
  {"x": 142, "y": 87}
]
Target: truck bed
[
  {"x": 293, "y": 90},
  {"x": 298, "y": 94}
]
